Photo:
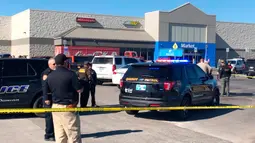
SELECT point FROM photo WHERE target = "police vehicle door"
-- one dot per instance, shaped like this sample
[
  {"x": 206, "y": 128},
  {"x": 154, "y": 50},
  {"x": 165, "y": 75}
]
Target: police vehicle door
[
  {"x": 207, "y": 86},
  {"x": 196, "y": 85},
  {"x": 18, "y": 78}
]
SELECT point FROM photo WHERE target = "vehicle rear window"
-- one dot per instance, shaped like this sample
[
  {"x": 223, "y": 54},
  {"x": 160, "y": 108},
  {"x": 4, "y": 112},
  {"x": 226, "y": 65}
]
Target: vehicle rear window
[
  {"x": 81, "y": 60},
  {"x": 232, "y": 62},
  {"x": 103, "y": 60},
  {"x": 147, "y": 71}
]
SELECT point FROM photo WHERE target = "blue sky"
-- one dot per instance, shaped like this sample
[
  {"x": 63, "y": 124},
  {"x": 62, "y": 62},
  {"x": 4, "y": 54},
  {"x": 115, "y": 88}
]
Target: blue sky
[{"x": 225, "y": 10}]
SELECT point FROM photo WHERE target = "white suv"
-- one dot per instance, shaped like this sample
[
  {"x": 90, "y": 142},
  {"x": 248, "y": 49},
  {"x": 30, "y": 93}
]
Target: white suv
[{"x": 105, "y": 66}]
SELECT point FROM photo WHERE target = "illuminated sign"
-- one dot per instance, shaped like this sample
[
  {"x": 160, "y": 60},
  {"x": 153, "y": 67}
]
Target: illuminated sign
[
  {"x": 131, "y": 23},
  {"x": 85, "y": 20}
]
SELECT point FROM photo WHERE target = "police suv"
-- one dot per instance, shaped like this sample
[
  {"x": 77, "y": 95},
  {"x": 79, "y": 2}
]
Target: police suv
[
  {"x": 21, "y": 83},
  {"x": 177, "y": 83}
]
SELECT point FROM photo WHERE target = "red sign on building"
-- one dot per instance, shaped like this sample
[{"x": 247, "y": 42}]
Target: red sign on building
[
  {"x": 85, "y": 20},
  {"x": 88, "y": 50}
]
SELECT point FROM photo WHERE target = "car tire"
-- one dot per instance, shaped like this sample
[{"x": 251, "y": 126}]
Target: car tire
[
  {"x": 39, "y": 104},
  {"x": 184, "y": 114},
  {"x": 216, "y": 99},
  {"x": 132, "y": 112}
]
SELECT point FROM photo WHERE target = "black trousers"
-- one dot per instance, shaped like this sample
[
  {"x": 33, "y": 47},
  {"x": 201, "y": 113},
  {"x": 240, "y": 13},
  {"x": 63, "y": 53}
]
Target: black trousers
[
  {"x": 49, "y": 129},
  {"x": 85, "y": 94},
  {"x": 92, "y": 90}
]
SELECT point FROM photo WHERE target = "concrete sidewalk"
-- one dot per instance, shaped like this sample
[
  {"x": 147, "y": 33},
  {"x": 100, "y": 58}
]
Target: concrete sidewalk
[{"x": 20, "y": 131}]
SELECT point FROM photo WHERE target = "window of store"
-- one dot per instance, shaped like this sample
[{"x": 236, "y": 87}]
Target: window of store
[{"x": 187, "y": 33}]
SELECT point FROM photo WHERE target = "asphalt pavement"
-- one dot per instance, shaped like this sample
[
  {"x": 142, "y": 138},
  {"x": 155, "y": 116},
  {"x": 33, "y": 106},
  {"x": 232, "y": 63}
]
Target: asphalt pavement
[{"x": 210, "y": 126}]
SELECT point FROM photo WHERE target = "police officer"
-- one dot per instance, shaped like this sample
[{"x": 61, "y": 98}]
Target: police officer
[
  {"x": 92, "y": 82},
  {"x": 65, "y": 87},
  {"x": 84, "y": 80},
  {"x": 224, "y": 75},
  {"x": 49, "y": 129}
]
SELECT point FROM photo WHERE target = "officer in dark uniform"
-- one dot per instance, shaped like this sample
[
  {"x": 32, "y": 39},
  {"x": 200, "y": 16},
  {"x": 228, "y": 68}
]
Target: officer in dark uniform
[
  {"x": 49, "y": 129},
  {"x": 92, "y": 75},
  {"x": 65, "y": 86},
  {"x": 84, "y": 80},
  {"x": 224, "y": 75}
]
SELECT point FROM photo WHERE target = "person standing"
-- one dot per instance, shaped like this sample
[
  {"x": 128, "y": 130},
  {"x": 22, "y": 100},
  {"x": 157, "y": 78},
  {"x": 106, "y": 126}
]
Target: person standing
[
  {"x": 65, "y": 86},
  {"x": 92, "y": 84},
  {"x": 205, "y": 67},
  {"x": 49, "y": 129},
  {"x": 84, "y": 80},
  {"x": 224, "y": 75}
]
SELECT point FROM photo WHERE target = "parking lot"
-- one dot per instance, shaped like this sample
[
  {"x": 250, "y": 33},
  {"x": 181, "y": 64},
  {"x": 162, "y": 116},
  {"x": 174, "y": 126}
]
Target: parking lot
[{"x": 209, "y": 126}]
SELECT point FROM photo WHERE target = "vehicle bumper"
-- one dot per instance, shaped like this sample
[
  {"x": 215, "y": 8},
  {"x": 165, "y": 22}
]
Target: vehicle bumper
[
  {"x": 169, "y": 101},
  {"x": 251, "y": 73}
]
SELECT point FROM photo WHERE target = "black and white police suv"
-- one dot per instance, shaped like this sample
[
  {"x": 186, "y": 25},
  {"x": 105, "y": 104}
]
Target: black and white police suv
[
  {"x": 167, "y": 84},
  {"x": 21, "y": 83}
]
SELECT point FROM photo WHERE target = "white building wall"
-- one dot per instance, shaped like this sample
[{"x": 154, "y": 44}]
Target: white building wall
[
  {"x": 20, "y": 33},
  {"x": 5, "y": 33},
  {"x": 151, "y": 24}
]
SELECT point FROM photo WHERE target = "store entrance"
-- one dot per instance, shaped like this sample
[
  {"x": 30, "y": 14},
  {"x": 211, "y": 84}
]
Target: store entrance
[{"x": 190, "y": 55}]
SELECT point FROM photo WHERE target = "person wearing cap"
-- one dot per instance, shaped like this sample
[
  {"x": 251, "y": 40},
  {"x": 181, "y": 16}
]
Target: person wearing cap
[
  {"x": 49, "y": 129},
  {"x": 84, "y": 80},
  {"x": 224, "y": 75},
  {"x": 92, "y": 76},
  {"x": 65, "y": 88}
]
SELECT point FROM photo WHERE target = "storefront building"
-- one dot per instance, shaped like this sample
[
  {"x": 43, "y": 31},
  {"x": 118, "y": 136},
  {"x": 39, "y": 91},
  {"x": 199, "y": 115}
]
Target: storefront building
[{"x": 183, "y": 33}]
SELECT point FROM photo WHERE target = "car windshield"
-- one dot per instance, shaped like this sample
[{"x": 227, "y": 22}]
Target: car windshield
[
  {"x": 232, "y": 62},
  {"x": 103, "y": 60}
]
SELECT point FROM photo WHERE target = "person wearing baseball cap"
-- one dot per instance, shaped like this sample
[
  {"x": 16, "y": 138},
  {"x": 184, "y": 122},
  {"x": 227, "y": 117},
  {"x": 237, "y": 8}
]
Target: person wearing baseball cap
[{"x": 65, "y": 88}]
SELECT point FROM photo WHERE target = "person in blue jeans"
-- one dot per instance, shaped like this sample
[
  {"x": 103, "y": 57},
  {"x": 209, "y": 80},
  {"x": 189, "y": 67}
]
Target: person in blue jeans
[{"x": 49, "y": 129}]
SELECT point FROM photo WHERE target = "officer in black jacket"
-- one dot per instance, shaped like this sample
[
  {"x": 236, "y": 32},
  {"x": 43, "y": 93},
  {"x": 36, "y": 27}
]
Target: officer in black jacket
[
  {"x": 84, "y": 81},
  {"x": 65, "y": 86},
  {"x": 92, "y": 75},
  {"x": 49, "y": 129},
  {"x": 224, "y": 75}
]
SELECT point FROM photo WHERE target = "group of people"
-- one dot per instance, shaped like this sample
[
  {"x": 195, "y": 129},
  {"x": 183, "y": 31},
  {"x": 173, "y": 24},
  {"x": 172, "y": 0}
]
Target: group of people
[
  {"x": 224, "y": 74},
  {"x": 61, "y": 89}
]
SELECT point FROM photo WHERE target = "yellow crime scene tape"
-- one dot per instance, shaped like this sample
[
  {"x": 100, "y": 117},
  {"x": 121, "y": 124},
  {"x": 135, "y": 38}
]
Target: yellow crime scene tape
[{"x": 108, "y": 109}]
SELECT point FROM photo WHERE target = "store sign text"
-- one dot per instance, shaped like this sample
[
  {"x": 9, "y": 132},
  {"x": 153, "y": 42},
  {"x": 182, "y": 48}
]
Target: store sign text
[
  {"x": 85, "y": 20},
  {"x": 188, "y": 46},
  {"x": 131, "y": 23}
]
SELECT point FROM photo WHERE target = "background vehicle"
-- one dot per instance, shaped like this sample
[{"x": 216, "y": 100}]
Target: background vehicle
[
  {"x": 118, "y": 74},
  {"x": 21, "y": 83},
  {"x": 250, "y": 67},
  {"x": 162, "y": 84},
  {"x": 76, "y": 61},
  {"x": 5, "y": 55},
  {"x": 105, "y": 66},
  {"x": 238, "y": 64}
]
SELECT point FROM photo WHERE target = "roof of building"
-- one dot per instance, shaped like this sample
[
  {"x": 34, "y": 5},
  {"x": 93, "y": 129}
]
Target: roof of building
[{"x": 107, "y": 34}]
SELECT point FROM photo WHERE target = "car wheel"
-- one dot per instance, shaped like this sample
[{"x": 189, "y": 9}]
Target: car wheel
[
  {"x": 216, "y": 99},
  {"x": 39, "y": 104},
  {"x": 132, "y": 112},
  {"x": 184, "y": 114}
]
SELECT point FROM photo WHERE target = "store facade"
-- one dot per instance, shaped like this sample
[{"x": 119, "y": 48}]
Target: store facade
[{"x": 183, "y": 33}]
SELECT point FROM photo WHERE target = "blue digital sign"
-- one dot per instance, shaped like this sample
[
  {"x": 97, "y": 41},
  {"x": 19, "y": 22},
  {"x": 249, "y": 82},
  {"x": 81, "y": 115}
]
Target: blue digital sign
[{"x": 170, "y": 52}]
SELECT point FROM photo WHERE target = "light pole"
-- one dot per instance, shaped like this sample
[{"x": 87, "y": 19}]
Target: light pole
[{"x": 206, "y": 46}]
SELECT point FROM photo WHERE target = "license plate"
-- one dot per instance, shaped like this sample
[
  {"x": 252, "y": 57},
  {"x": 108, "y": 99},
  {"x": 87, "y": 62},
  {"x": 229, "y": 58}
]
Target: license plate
[{"x": 140, "y": 87}]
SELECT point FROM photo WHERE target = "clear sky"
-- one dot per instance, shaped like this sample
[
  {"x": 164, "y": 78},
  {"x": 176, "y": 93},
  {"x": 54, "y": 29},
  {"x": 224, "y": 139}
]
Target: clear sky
[{"x": 225, "y": 10}]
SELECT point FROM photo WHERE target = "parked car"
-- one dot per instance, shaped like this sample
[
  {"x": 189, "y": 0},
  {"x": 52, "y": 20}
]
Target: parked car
[
  {"x": 250, "y": 67},
  {"x": 107, "y": 64},
  {"x": 238, "y": 64},
  {"x": 20, "y": 82},
  {"x": 118, "y": 74},
  {"x": 164, "y": 85}
]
